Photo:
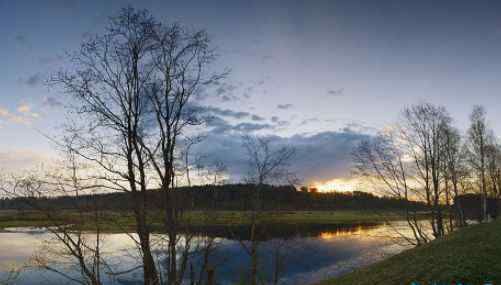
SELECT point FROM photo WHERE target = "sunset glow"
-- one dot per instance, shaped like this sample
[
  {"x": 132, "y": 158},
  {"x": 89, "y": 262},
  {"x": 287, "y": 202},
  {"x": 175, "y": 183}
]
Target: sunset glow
[{"x": 336, "y": 185}]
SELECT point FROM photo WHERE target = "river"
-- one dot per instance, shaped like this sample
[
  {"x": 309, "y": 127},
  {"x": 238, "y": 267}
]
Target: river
[{"x": 306, "y": 254}]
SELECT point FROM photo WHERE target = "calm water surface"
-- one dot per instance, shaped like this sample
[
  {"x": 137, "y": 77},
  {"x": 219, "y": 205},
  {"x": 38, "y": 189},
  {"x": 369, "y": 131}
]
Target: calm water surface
[{"x": 307, "y": 254}]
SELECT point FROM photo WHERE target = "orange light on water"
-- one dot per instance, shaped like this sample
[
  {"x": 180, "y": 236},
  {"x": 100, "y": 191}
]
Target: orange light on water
[{"x": 342, "y": 232}]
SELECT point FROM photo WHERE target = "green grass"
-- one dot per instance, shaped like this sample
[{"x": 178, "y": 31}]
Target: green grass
[
  {"x": 116, "y": 221},
  {"x": 288, "y": 217},
  {"x": 470, "y": 255}
]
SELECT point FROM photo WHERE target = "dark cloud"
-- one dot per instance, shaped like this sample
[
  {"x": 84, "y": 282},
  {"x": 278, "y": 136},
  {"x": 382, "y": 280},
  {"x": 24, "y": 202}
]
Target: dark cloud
[
  {"x": 355, "y": 127},
  {"x": 225, "y": 91},
  {"x": 251, "y": 127},
  {"x": 220, "y": 90},
  {"x": 309, "y": 120},
  {"x": 227, "y": 98},
  {"x": 284, "y": 106},
  {"x": 215, "y": 118},
  {"x": 21, "y": 39},
  {"x": 50, "y": 101},
  {"x": 317, "y": 157},
  {"x": 257, "y": 118},
  {"x": 335, "y": 92},
  {"x": 249, "y": 89},
  {"x": 226, "y": 148},
  {"x": 279, "y": 123},
  {"x": 253, "y": 87},
  {"x": 227, "y": 113},
  {"x": 218, "y": 125},
  {"x": 32, "y": 81}
]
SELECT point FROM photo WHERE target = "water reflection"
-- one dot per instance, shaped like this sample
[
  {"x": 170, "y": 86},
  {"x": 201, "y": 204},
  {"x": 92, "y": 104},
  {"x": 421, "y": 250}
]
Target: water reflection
[
  {"x": 305, "y": 253},
  {"x": 356, "y": 230}
]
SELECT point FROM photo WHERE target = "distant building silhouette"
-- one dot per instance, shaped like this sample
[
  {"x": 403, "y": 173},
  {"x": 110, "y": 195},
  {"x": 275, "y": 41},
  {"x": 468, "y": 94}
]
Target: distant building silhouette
[{"x": 471, "y": 205}]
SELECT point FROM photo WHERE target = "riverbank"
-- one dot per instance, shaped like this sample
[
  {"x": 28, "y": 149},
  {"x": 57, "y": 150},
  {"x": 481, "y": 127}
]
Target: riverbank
[
  {"x": 472, "y": 255},
  {"x": 116, "y": 221}
]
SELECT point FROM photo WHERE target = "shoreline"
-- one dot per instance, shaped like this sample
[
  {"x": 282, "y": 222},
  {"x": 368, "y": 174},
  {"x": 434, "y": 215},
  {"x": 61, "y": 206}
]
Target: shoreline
[
  {"x": 114, "y": 220},
  {"x": 470, "y": 254}
]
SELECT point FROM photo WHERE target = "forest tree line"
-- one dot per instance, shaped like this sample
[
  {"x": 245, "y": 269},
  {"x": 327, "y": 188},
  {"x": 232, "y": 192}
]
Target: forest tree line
[{"x": 235, "y": 197}]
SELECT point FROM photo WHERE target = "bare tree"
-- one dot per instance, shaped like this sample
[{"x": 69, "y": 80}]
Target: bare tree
[
  {"x": 131, "y": 90},
  {"x": 424, "y": 130},
  {"x": 267, "y": 165},
  {"x": 70, "y": 240},
  {"x": 383, "y": 161},
  {"x": 215, "y": 175},
  {"x": 420, "y": 159},
  {"x": 455, "y": 171},
  {"x": 107, "y": 85},
  {"x": 479, "y": 137},
  {"x": 493, "y": 161},
  {"x": 189, "y": 143}
]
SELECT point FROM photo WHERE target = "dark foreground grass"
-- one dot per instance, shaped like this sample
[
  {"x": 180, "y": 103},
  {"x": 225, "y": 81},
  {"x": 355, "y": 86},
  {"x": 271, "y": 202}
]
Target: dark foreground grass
[
  {"x": 119, "y": 221},
  {"x": 471, "y": 255}
]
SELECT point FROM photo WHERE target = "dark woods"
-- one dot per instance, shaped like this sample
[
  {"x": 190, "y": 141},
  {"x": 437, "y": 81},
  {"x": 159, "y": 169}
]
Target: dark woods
[{"x": 237, "y": 197}]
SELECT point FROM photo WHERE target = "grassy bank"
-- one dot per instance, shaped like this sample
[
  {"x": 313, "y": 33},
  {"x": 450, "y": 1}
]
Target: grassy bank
[
  {"x": 114, "y": 221},
  {"x": 471, "y": 255}
]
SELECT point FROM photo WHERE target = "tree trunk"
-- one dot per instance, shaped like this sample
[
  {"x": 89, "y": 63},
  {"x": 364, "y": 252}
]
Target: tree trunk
[
  {"x": 149, "y": 268},
  {"x": 211, "y": 276},
  {"x": 172, "y": 277},
  {"x": 254, "y": 261}
]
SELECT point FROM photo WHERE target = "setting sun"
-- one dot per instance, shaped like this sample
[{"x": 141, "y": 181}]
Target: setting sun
[{"x": 336, "y": 185}]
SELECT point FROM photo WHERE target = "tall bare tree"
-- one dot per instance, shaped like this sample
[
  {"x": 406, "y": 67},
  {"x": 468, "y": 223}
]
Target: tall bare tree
[
  {"x": 479, "y": 137},
  {"x": 424, "y": 130},
  {"x": 455, "y": 171},
  {"x": 268, "y": 164},
  {"x": 132, "y": 90},
  {"x": 383, "y": 161},
  {"x": 493, "y": 158}
]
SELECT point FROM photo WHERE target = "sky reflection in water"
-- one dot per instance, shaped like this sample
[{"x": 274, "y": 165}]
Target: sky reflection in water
[{"x": 308, "y": 256}]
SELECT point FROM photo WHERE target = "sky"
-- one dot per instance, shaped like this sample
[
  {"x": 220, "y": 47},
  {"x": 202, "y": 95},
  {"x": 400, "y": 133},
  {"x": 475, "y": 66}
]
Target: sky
[{"x": 318, "y": 75}]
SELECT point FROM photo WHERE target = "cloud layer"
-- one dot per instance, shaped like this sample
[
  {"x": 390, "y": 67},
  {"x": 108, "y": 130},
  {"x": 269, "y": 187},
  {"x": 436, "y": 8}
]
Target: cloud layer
[
  {"x": 318, "y": 157},
  {"x": 21, "y": 160}
]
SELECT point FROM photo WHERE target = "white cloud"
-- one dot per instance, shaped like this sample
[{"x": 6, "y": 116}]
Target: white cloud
[
  {"x": 24, "y": 115},
  {"x": 21, "y": 159},
  {"x": 24, "y": 108}
]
